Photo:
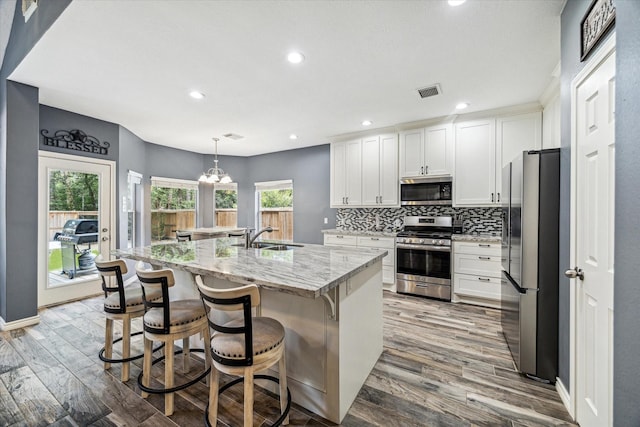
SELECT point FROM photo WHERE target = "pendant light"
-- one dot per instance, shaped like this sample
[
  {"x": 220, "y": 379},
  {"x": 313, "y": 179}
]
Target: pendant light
[{"x": 215, "y": 174}]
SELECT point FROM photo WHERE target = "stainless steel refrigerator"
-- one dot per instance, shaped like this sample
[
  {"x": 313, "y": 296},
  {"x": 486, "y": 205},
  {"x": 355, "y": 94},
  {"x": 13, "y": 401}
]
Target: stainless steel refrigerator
[{"x": 530, "y": 251}]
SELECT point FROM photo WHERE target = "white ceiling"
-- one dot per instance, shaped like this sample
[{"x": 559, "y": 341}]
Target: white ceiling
[{"x": 134, "y": 63}]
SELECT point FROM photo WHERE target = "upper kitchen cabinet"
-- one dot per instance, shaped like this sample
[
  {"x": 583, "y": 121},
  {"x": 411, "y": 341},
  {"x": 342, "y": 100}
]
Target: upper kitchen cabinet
[
  {"x": 346, "y": 173},
  {"x": 483, "y": 147},
  {"x": 380, "y": 170},
  {"x": 364, "y": 172},
  {"x": 516, "y": 134},
  {"x": 426, "y": 151},
  {"x": 474, "y": 182}
]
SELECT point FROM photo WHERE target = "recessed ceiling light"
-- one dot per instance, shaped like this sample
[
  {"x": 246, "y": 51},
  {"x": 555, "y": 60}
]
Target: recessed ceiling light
[
  {"x": 456, "y": 2},
  {"x": 462, "y": 106},
  {"x": 196, "y": 95},
  {"x": 293, "y": 136},
  {"x": 295, "y": 57},
  {"x": 367, "y": 123}
]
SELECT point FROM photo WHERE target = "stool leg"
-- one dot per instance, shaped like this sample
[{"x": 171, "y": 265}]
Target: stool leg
[
  {"x": 248, "y": 397},
  {"x": 108, "y": 342},
  {"x": 282, "y": 372},
  {"x": 168, "y": 377},
  {"x": 126, "y": 346},
  {"x": 146, "y": 364},
  {"x": 185, "y": 354},
  {"x": 207, "y": 352},
  {"x": 213, "y": 396}
]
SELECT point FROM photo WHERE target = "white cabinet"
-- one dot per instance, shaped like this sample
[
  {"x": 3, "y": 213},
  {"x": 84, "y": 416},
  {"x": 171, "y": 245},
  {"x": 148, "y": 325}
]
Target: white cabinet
[
  {"x": 516, "y": 134},
  {"x": 474, "y": 182},
  {"x": 483, "y": 147},
  {"x": 380, "y": 170},
  {"x": 367, "y": 241},
  {"x": 364, "y": 172},
  {"x": 476, "y": 273},
  {"x": 346, "y": 173},
  {"x": 427, "y": 151}
]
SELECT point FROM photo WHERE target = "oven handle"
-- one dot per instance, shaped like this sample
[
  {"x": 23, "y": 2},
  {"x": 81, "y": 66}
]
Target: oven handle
[{"x": 423, "y": 247}]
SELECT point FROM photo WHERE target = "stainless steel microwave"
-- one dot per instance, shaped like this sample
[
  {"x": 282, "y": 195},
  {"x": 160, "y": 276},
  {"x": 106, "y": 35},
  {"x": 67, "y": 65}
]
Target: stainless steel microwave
[{"x": 426, "y": 191}]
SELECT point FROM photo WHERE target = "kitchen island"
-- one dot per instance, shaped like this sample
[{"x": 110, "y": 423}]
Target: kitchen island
[{"x": 329, "y": 300}]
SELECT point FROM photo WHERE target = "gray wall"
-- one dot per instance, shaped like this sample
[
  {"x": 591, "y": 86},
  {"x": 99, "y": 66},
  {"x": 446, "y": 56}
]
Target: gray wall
[
  {"x": 626, "y": 339},
  {"x": 309, "y": 170},
  {"x": 18, "y": 160}
]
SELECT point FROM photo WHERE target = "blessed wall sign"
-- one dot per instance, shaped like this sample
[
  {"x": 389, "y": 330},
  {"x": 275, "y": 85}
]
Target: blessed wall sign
[
  {"x": 75, "y": 140},
  {"x": 598, "y": 20}
]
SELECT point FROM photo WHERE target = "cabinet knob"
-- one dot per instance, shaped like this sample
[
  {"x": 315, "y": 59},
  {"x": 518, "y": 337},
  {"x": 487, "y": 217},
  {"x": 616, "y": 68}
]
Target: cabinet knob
[
  {"x": 483, "y": 279},
  {"x": 492, "y": 198},
  {"x": 426, "y": 169},
  {"x": 485, "y": 258},
  {"x": 421, "y": 170},
  {"x": 498, "y": 198},
  {"x": 484, "y": 245}
]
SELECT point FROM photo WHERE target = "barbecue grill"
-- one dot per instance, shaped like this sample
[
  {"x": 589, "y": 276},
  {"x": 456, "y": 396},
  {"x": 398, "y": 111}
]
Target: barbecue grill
[{"x": 77, "y": 232}]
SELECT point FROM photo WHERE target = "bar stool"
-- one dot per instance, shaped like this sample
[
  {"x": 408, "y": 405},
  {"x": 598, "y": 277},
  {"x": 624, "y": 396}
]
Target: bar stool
[
  {"x": 242, "y": 347},
  {"x": 166, "y": 321},
  {"x": 120, "y": 303}
]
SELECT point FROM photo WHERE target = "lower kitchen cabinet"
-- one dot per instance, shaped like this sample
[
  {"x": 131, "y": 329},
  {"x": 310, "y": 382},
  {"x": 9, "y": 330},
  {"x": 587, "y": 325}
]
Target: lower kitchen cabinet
[
  {"x": 476, "y": 273},
  {"x": 368, "y": 241}
]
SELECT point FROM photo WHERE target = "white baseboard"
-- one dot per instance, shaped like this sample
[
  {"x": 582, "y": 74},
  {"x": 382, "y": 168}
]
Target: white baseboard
[
  {"x": 17, "y": 324},
  {"x": 565, "y": 397}
]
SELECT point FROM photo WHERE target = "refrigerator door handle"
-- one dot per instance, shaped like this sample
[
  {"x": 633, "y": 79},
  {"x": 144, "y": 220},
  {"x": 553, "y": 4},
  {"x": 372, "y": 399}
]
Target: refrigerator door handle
[{"x": 515, "y": 285}]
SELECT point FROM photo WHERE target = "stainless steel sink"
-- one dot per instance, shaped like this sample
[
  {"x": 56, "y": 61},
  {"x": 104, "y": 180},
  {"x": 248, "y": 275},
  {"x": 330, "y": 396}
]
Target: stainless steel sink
[{"x": 271, "y": 246}]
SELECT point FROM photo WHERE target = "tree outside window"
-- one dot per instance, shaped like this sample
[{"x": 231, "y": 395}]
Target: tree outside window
[
  {"x": 226, "y": 205},
  {"x": 173, "y": 207},
  {"x": 275, "y": 208}
]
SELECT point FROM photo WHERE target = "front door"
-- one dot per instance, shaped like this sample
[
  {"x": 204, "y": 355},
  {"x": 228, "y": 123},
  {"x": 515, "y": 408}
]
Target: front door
[
  {"x": 594, "y": 148},
  {"x": 73, "y": 191}
]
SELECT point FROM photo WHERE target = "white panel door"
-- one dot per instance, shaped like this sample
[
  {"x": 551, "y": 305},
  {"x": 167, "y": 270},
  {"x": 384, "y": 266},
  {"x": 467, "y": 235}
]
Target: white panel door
[
  {"x": 72, "y": 188},
  {"x": 412, "y": 153},
  {"x": 438, "y": 144},
  {"x": 475, "y": 163},
  {"x": 371, "y": 170},
  {"x": 389, "y": 182},
  {"x": 594, "y": 192}
]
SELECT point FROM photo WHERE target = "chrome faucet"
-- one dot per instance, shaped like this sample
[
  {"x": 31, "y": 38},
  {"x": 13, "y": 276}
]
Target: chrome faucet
[{"x": 248, "y": 240}]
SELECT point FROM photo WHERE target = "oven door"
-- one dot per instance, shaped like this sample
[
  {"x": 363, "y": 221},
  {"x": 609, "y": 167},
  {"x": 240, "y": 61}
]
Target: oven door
[{"x": 425, "y": 261}]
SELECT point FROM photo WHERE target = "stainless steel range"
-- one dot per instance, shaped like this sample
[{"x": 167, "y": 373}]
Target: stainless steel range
[{"x": 423, "y": 256}]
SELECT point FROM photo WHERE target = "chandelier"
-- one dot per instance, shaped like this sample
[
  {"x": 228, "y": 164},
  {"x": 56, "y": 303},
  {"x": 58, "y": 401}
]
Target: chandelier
[{"x": 215, "y": 174}]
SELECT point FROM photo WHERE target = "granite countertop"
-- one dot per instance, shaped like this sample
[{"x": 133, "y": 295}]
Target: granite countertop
[
  {"x": 309, "y": 271},
  {"x": 360, "y": 232},
  {"x": 477, "y": 237}
]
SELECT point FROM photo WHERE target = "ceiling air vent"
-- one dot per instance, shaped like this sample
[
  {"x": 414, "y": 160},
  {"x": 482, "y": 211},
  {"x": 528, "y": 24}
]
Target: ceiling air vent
[
  {"x": 233, "y": 136},
  {"x": 432, "y": 90}
]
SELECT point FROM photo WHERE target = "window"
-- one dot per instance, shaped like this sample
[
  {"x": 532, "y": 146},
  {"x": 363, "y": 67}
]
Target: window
[
  {"x": 174, "y": 203},
  {"x": 225, "y": 205},
  {"x": 274, "y": 201}
]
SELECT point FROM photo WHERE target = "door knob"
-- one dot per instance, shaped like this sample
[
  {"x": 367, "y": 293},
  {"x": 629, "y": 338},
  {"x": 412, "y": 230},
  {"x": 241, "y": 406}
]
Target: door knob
[{"x": 572, "y": 273}]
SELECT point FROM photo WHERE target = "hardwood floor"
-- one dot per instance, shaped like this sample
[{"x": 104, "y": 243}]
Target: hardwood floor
[{"x": 443, "y": 365}]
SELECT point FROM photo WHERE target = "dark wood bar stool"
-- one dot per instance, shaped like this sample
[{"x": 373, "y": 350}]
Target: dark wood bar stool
[
  {"x": 243, "y": 346},
  {"x": 120, "y": 303},
  {"x": 167, "y": 321}
]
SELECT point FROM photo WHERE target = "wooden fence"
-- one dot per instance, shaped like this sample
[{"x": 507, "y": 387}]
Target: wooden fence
[
  {"x": 57, "y": 219},
  {"x": 280, "y": 220},
  {"x": 164, "y": 222}
]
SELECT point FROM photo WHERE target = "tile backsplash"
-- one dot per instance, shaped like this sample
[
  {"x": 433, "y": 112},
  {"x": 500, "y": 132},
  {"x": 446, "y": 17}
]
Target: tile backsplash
[{"x": 476, "y": 220}]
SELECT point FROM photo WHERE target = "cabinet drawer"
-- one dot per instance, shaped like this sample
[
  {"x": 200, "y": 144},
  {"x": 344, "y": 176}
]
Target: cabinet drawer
[
  {"x": 340, "y": 240},
  {"x": 480, "y": 265},
  {"x": 376, "y": 242},
  {"x": 477, "y": 248},
  {"x": 477, "y": 286}
]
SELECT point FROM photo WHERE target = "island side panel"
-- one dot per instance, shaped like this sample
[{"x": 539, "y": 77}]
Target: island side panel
[{"x": 360, "y": 340}]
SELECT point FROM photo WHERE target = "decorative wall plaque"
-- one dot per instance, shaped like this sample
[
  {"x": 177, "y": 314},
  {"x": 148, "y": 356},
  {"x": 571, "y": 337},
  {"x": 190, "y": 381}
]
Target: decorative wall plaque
[
  {"x": 599, "y": 18},
  {"x": 75, "y": 140}
]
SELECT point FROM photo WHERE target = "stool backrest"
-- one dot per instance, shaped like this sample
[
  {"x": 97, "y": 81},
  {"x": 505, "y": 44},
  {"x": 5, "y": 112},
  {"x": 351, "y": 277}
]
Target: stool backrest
[
  {"x": 108, "y": 270},
  {"x": 235, "y": 299},
  {"x": 183, "y": 236},
  {"x": 156, "y": 279}
]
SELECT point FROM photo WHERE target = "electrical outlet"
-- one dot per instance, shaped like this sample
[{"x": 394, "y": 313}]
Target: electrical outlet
[{"x": 326, "y": 220}]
